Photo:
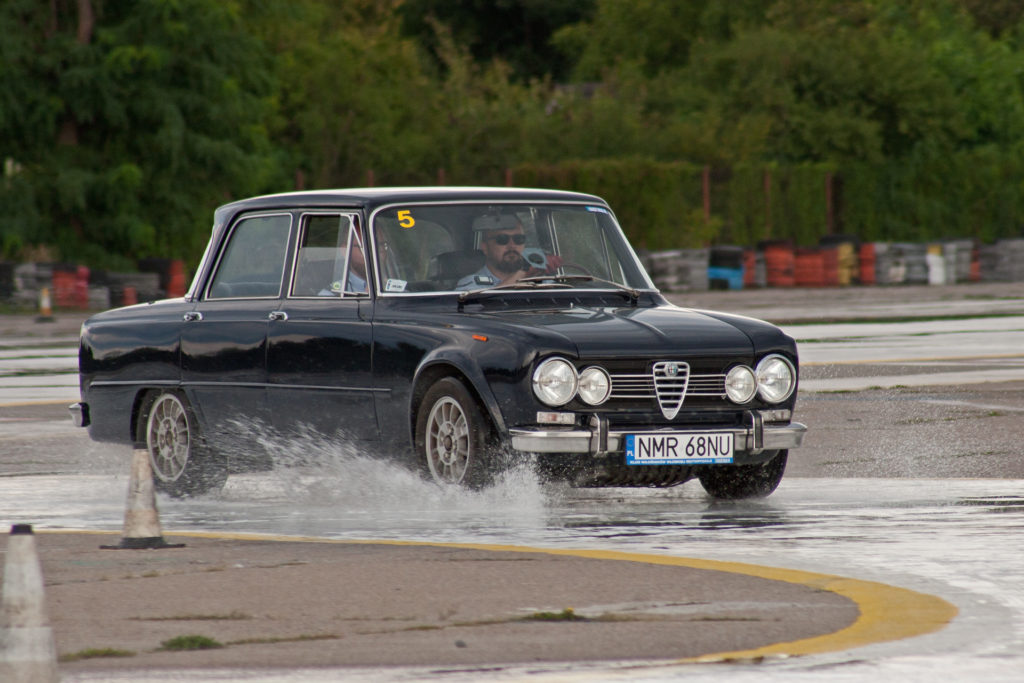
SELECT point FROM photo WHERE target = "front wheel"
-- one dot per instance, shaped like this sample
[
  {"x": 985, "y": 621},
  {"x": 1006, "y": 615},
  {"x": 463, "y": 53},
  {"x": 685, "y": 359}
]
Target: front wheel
[
  {"x": 181, "y": 466},
  {"x": 452, "y": 435},
  {"x": 730, "y": 482}
]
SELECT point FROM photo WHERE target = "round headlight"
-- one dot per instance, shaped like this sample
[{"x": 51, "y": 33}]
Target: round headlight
[
  {"x": 554, "y": 381},
  {"x": 595, "y": 385},
  {"x": 776, "y": 379},
  {"x": 740, "y": 384}
]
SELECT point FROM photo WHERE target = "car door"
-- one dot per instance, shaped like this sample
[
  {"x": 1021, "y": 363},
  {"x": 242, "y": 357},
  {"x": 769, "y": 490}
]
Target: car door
[
  {"x": 224, "y": 338},
  {"x": 319, "y": 343}
]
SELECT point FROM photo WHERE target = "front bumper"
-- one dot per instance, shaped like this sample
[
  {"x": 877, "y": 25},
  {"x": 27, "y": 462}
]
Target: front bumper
[
  {"x": 754, "y": 437},
  {"x": 79, "y": 414}
]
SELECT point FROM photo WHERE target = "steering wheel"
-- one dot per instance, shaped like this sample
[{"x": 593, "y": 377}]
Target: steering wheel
[{"x": 566, "y": 265}]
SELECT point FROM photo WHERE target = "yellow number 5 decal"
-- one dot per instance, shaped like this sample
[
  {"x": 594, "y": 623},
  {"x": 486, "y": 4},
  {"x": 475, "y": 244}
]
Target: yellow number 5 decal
[{"x": 405, "y": 219}]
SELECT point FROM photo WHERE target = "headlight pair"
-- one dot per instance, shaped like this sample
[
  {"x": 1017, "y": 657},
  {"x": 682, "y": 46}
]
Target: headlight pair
[
  {"x": 774, "y": 379},
  {"x": 556, "y": 382}
]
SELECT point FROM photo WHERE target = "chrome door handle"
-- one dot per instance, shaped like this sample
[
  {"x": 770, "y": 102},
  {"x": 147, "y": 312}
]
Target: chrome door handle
[
  {"x": 192, "y": 316},
  {"x": 278, "y": 315}
]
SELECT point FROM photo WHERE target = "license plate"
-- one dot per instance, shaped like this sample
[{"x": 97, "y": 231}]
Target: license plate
[{"x": 704, "y": 448}]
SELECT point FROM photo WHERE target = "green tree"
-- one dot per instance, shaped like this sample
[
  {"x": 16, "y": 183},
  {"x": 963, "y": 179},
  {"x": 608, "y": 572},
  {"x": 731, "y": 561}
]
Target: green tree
[
  {"x": 125, "y": 123},
  {"x": 517, "y": 32}
]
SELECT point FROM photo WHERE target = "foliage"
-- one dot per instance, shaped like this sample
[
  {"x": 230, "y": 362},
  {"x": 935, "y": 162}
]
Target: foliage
[
  {"x": 125, "y": 133},
  {"x": 122, "y": 125},
  {"x": 191, "y": 642},
  {"x": 518, "y": 32}
]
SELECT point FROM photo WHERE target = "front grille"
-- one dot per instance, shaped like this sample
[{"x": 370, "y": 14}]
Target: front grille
[
  {"x": 668, "y": 384},
  {"x": 670, "y": 380},
  {"x": 637, "y": 386}
]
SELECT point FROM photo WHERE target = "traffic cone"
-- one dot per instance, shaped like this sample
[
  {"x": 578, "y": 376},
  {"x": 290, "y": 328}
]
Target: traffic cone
[
  {"x": 27, "y": 652},
  {"x": 141, "y": 521},
  {"x": 45, "y": 308}
]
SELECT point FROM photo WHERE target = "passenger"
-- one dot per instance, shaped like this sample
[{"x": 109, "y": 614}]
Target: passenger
[{"x": 356, "y": 282}]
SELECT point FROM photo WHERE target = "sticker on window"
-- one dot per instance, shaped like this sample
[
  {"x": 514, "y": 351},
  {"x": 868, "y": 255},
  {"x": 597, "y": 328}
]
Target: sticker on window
[
  {"x": 395, "y": 285},
  {"x": 597, "y": 209}
]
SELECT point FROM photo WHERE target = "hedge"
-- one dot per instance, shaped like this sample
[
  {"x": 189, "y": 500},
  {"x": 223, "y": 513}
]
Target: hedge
[{"x": 976, "y": 194}]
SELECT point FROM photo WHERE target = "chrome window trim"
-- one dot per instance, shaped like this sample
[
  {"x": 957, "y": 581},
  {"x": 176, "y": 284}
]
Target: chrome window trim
[
  {"x": 355, "y": 215},
  {"x": 227, "y": 241}
]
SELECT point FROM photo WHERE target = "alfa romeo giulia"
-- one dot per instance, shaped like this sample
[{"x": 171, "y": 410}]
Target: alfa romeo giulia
[{"x": 456, "y": 329}]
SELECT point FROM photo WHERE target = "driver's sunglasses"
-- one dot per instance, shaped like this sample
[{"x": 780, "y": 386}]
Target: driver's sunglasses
[{"x": 502, "y": 240}]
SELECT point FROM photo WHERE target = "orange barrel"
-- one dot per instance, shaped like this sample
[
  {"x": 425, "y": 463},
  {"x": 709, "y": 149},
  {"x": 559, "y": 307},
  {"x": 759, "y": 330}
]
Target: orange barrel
[
  {"x": 176, "y": 278},
  {"x": 130, "y": 296},
  {"x": 830, "y": 266},
  {"x": 749, "y": 268},
  {"x": 866, "y": 258},
  {"x": 64, "y": 278},
  {"x": 82, "y": 288},
  {"x": 809, "y": 268},
  {"x": 779, "y": 264}
]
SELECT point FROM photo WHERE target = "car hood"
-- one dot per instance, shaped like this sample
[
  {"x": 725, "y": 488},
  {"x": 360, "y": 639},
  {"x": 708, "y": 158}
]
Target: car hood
[{"x": 627, "y": 331}]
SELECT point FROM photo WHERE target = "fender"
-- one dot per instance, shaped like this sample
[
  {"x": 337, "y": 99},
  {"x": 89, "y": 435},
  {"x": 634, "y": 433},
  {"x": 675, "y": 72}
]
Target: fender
[{"x": 470, "y": 368}]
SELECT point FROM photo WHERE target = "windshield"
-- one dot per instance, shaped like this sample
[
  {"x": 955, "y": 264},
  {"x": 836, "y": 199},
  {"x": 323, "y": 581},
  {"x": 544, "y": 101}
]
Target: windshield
[{"x": 471, "y": 247}]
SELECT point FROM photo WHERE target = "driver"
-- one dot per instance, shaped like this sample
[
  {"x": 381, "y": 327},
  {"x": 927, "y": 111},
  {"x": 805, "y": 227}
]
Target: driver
[{"x": 501, "y": 242}]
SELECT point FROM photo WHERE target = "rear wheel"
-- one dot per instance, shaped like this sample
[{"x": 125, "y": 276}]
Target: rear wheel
[
  {"x": 452, "y": 435},
  {"x": 181, "y": 465},
  {"x": 730, "y": 482}
]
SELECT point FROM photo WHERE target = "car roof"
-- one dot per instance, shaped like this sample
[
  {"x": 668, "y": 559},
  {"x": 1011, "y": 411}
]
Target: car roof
[{"x": 370, "y": 198}]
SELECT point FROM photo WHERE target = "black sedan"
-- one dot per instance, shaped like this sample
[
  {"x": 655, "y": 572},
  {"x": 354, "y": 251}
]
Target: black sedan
[{"x": 457, "y": 329}]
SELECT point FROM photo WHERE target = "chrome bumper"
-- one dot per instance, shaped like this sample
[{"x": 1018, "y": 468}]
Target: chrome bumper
[
  {"x": 79, "y": 414},
  {"x": 754, "y": 437}
]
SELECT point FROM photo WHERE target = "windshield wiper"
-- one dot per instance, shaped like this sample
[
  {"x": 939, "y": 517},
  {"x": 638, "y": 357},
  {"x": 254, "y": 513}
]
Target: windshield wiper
[
  {"x": 551, "y": 282},
  {"x": 524, "y": 283},
  {"x": 634, "y": 295}
]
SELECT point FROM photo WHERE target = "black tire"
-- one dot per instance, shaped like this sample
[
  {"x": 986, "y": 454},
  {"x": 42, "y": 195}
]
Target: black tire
[
  {"x": 731, "y": 482},
  {"x": 453, "y": 437},
  {"x": 182, "y": 466}
]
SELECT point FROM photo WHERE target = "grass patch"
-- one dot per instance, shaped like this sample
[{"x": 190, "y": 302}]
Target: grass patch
[
  {"x": 565, "y": 615},
  {"x": 94, "y": 653},
  {"x": 190, "y": 642},
  {"x": 232, "y": 616},
  {"x": 286, "y": 639}
]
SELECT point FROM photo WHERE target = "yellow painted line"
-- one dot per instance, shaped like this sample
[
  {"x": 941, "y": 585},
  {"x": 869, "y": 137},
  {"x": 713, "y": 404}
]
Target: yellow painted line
[
  {"x": 22, "y": 404},
  {"x": 887, "y": 612}
]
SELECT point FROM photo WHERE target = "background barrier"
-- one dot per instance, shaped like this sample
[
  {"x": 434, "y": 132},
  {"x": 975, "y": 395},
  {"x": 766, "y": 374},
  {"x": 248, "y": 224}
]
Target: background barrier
[{"x": 839, "y": 261}]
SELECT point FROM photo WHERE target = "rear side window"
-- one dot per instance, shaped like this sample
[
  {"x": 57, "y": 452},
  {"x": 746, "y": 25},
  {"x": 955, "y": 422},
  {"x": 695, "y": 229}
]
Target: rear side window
[
  {"x": 252, "y": 264},
  {"x": 330, "y": 260}
]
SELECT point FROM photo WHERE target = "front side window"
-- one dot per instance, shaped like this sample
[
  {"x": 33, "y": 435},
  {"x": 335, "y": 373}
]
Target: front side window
[
  {"x": 252, "y": 264},
  {"x": 465, "y": 247},
  {"x": 331, "y": 260}
]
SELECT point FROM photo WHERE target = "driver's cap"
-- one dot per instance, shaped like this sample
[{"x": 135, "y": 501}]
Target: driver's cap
[{"x": 495, "y": 221}]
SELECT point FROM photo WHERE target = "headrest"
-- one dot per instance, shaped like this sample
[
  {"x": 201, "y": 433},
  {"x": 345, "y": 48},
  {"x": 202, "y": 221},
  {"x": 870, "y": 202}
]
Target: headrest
[{"x": 456, "y": 264}]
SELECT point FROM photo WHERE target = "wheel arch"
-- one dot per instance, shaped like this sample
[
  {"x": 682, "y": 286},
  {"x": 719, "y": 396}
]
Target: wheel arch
[
  {"x": 144, "y": 398},
  {"x": 434, "y": 370}
]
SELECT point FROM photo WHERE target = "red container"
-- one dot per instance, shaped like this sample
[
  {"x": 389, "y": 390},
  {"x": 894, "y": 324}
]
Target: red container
[
  {"x": 749, "y": 268},
  {"x": 830, "y": 266},
  {"x": 866, "y": 256},
  {"x": 64, "y": 288},
  {"x": 779, "y": 263},
  {"x": 809, "y": 268},
  {"x": 176, "y": 279}
]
